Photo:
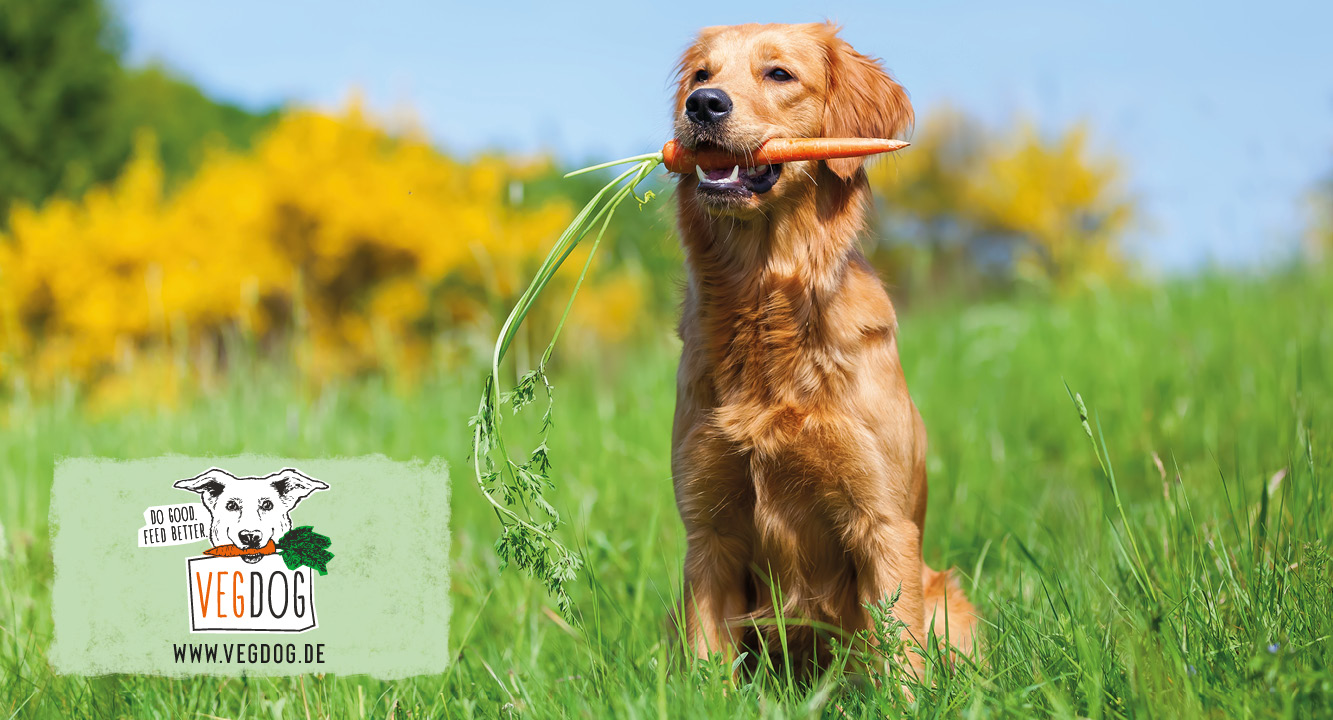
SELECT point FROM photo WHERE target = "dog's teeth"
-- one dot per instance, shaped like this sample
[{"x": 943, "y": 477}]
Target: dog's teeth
[
  {"x": 700, "y": 171},
  {"x": 757, "y": 170},
  {"x": 735, "y": 173}
]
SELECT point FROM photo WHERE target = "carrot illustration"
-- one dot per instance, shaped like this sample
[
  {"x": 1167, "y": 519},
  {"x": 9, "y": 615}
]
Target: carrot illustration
[
  {"x": 299, "y": 546},
  {"x": 679, "y": 159},
  {"x": 233, "y": 551}
]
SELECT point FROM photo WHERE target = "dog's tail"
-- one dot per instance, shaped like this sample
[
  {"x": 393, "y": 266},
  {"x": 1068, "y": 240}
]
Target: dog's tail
[{"x": 944, "y": 599}]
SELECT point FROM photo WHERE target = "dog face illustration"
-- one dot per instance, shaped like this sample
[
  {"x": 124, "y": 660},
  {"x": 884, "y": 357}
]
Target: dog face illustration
[{"x": 248, "y": 512}]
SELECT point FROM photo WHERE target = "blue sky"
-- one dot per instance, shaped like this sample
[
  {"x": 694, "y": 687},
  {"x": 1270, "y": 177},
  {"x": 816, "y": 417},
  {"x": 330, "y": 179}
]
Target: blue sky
[{"x": 1223, "y": 112}]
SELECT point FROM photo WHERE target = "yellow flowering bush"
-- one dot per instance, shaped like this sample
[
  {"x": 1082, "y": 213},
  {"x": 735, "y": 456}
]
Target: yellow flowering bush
[
  {"x": 333, "y": 240},
  {"x": 1053, "y": 212},
  {"x": 1318, "y": 238},
  {"x": 1063, "y": 203}
]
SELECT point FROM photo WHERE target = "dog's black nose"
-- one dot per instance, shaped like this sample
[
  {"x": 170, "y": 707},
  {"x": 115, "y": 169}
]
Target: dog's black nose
[
  {"x": 707, "y": 106},
  {"x": 248, "y": 539}
]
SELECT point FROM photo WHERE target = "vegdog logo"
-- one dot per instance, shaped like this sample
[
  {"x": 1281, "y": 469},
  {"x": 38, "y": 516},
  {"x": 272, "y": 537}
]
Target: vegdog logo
[{"x": 258, "y": 575}]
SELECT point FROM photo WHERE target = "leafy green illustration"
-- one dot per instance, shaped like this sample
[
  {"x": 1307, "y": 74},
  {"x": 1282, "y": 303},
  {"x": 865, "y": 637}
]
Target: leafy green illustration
[{"x": 303, "y": 546}]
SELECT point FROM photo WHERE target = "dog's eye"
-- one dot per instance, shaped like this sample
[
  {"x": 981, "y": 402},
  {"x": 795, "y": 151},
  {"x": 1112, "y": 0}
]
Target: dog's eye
[
  {"x": 702, "y": 76},
  {"x": 233, "y": 506},
  {"x": 266, "y": 505},
  {"x": 780, "y": 75}
]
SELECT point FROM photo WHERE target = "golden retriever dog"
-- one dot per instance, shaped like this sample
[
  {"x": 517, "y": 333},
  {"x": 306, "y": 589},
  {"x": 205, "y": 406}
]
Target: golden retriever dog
[{"x": 798, "y": 456}]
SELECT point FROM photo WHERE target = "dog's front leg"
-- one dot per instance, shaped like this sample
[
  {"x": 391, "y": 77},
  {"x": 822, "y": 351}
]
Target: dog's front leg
[
  {"x": 714, "y": 591},
  {"x": 887, "y": 556},
  {"x": 716, "y": 506}
]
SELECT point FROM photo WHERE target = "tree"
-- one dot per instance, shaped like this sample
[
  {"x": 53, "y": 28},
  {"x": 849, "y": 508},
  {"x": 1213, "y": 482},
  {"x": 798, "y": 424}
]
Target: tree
[
  {"x": 58, "y": 67},
  {"x": 70, "y": 112}
]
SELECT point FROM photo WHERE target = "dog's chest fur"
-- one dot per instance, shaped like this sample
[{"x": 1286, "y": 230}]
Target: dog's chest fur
[
  {"x": 777, "y": 337},
  {"x": 780, "y": 360},
  {"x": 789, "y": 378}
]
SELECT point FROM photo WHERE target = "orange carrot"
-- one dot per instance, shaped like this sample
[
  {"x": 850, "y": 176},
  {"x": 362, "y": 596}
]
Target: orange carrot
[
  {"x": 233, "y": 551},
  {"x": 679, "y": 159}
]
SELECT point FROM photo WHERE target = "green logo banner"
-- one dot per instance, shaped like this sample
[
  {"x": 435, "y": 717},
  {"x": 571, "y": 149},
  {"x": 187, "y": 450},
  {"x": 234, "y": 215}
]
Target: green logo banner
[{"x": 250, "y": 565}]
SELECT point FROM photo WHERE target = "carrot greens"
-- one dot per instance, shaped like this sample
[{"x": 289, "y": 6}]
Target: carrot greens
[{"x": 516, "y": 490}]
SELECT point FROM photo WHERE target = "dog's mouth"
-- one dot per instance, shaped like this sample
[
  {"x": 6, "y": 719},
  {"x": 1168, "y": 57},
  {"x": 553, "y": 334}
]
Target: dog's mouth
[{"x": 738, "y": 180}]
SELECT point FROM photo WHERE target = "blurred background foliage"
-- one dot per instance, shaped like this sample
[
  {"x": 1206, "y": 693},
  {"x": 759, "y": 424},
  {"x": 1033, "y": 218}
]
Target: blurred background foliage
[
  {"x": 147, "y": 230},
  {"x": 1319, "y": 238},
  {"x": 330, "y": 241},
  {"x": 69, "y": 108},
  {"x": 970, "y": 210}
]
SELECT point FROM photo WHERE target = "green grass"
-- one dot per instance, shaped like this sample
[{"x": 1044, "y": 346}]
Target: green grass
[{"x": 1211, "y": 597}]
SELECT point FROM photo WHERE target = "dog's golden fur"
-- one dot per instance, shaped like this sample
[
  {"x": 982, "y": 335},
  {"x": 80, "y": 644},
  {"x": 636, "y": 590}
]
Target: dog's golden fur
[{"x": 798, "y": 454}]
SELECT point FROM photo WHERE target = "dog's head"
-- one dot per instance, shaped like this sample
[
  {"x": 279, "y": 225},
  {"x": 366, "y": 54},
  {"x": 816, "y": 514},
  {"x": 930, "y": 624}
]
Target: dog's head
[
  {"x": 740, "y": 85},
  {"x": 249, "y": 511}
]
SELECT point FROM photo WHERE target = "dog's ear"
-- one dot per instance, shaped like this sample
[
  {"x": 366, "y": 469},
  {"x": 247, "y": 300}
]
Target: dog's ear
[
  {"x": 292, "y": 486},
  {"x": 209, "y": 484},
  {"x": 861, "y": 101}
]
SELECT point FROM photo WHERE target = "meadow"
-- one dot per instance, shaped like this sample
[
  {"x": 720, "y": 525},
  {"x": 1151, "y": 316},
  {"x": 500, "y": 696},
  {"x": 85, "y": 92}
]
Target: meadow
[{"x": 1168, "y": 558}]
